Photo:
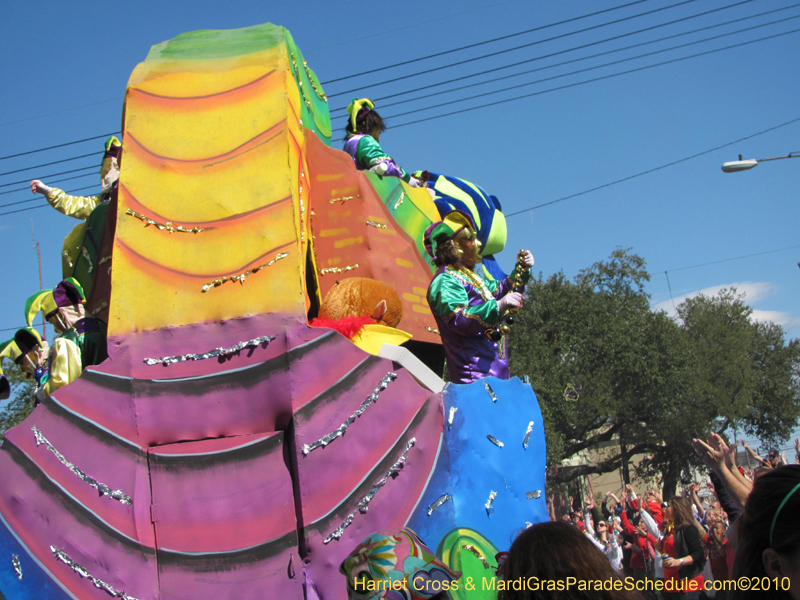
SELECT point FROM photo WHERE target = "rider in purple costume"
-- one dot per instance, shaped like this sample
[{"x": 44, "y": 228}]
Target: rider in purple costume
[
  {"x": 364, "y": 128},
  {"x": 464, "y": 304}
]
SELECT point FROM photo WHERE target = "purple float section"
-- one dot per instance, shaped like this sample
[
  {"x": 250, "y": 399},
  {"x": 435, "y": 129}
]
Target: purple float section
[
  {"x": 111, "y": 461},
  {"x": 43, "y": 514},
  {"x": 353, "y": 465},
  {"x": 471, "y": 466},
  {"x": 224, "y": 518},
  {"x": 217, "y": 496},
  {"x": 253, "y": 391}
]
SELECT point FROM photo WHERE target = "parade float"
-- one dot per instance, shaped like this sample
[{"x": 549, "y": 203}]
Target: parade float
[{"x": 226, "y": 448}]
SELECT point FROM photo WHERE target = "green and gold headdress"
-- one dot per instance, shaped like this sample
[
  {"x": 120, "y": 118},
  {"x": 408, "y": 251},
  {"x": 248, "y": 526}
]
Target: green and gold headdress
[
  {"x": 67, "y": 293},
  {"x": 355, "y": 108}
]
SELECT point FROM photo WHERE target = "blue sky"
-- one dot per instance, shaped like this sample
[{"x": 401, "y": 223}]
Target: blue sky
[{"x": 65, "y": 68}]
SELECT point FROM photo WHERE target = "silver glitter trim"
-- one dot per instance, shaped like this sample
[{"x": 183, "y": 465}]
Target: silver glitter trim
[
  {"x": 433, "y": 330},
  {"x": 102, "y": 488},
  {"x": 488, "y": 505},
  {"x": 363, "y": 504},
  {"x": 168, "y": 360},
  {"x": 494, "y": 440},
  {"x": 450, "y": 416},
  {"x": 378, "y": 225},
  {"x": 98, "y": 583},
  {"x": 67, "y": 258},
  {"x": 338, "y": 269},
  {"x": 242, "y": 276},
  {"x": 489, "y": 389},
  {"x": 339, "y": 431},
  {"x": 534, "y": 495},
  {"x": 437, "y": 503},
  {"x": 17, "y": 566},
  {"x": 476, "y": 552},
  {"x": 105, "y": 260},
  {"x": 528, "y": 433},
  {"x": 88, "y": 258},
  {"x": 528, "y": 524},
  {"x": 399, "y": 200}
]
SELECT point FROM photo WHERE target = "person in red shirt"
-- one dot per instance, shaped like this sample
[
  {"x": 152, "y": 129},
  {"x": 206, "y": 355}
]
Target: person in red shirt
[
  {"x": 716, "y": 543},
  {"x": 642, "y": 548},
  {"x": 682, "y": 550}
]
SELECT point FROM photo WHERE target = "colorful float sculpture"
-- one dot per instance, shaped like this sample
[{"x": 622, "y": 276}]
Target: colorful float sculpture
[{"x": 226, "y": 449}]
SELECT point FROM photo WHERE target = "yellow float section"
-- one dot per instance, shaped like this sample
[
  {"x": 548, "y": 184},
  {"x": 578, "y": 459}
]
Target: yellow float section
[{"x": 213, "y": 144}]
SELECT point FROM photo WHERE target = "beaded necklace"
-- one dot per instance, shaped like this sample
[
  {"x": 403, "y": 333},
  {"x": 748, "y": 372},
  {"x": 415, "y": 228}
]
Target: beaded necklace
[{"x": 467, "y": 276}]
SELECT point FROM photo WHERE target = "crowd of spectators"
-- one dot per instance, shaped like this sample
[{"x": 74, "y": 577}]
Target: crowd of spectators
[{"x": 735, "y": 536}]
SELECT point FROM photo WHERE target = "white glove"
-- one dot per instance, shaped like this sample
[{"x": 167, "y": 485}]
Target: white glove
[
  {"x": 37, "y": 187},
  {"x": 380, "y": 169},
  {"x": 416, "y": 183},
  {"x": 510, "y": 300},
  {"x": 527, "y": 259}
]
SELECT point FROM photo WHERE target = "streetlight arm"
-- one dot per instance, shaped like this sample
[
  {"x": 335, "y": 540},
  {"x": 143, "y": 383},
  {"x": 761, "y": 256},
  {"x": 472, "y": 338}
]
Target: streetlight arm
[{"x": 746, "y": 165}]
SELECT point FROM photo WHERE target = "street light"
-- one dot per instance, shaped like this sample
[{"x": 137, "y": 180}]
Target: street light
[{"x": 745, "y": 165}]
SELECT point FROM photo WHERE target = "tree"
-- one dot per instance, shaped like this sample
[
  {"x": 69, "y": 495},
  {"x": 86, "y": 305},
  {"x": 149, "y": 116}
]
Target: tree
[
  {"x": 598, "y": 334},
  {"x": 744, "y": 369},
  {"x": 645, "y": 381},
  {"x": 19, "y": 404}
]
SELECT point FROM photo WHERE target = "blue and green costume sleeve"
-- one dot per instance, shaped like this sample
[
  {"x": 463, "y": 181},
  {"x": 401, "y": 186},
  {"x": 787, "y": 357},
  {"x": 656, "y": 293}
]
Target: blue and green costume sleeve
[
  {"x": 458, "y": 310},
  {"x": 369, "y": 154}
]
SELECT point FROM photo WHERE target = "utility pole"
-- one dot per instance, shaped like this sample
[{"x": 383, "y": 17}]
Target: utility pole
[{"x": 41, "y": 283}]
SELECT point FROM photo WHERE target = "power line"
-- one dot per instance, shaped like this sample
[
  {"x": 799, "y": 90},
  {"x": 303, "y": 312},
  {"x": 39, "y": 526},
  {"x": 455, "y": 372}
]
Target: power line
[
  {"x": 523, "y": 62},
  {"x": 27, "y": 188},
  {"x": 55, "y": 162},
  {"x": 605, "y": 185},
  {"x": 94, "y": 167},
  {"x": 505, "y": 37},
  {"x": 599, "y": 54},
  {"x": 471, "y": 46},
  {"x": 58, "y": 112},
  {"x": 11, "y": 212},
  {"x": 579, "y": 71},
  {"x": 716, "y": 262},
  {"x": 97, "y": 137},
  {"x": 506, "y": 66},
  {"x": 550, "y": 40},
  {"x": 499, "y": 52},
  {"x": 563, "y": 87},
  {"x": 374, "y": 70}
]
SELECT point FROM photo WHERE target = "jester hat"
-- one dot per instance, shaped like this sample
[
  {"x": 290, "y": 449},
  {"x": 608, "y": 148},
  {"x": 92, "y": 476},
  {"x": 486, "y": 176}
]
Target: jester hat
[
  {"x": 26, "y": 340},
  {"x": 9, "y": 350},
  {"x": 67, "y": 293},
  {"x": 356, "y": 106},
  {"x": 446, "y": 229},
  {"x": 396, "y": 567}
]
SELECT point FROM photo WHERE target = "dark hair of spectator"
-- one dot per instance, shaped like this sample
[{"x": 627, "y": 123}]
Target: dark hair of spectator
[
  {"x": 447, "y": 253},
  {"x": 366, "y": 123},
  {"x": 553, "y": 551},
  {"x": 682, "y": 515},
  {"x": 754, "y": 526}
]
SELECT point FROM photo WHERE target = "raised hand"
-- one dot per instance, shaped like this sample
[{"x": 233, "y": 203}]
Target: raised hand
[
  {"x": 37, "y": 187},
  {"x": 527, "y": 259}
]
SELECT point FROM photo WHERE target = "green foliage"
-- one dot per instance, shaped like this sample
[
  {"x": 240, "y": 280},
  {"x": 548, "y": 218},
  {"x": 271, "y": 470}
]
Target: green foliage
[
  {"x": 646, "y": 380},
  {"x": 19, "y": 405},
  {"x": 743, "y": 369}
]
